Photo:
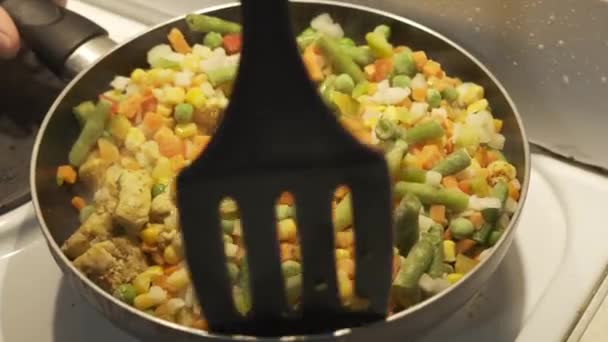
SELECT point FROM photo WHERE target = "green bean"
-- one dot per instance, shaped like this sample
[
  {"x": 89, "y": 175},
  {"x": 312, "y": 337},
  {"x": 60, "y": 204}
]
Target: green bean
[
  {"x": 404, "y": 63},
  {"x": 205, "y": 23},
  {"x": 291, "y": 268},
  {"x": 307, "y": 37},
  {"x": 344, "y": 83},
  {"x": 360, "y": 89},
  {"x": 92, "y": 130},
  {"x": 454, "y": 163},
  {"x": 380, "y": 47},
  {"x": 385, "y": 30},
  {"x": 346, "y": 42},
  {"x": 85, "y": 212},
  {"x": 326, "y": 88},
  {"x": 491, "y": 215},
  {"x": 341, "y": 62},
  {"x": 361, "y": 55},
  {"x": 284, "y": 211},
  {"x": 293, "y": 289},
  {"x": 434, "y": 236},
  {"x": 482, "y": 235},
  {"x": 494, "y": 237},
  {"x": 405, "y": 223},
  {"x": 423, "y": 132},
  {"x": 413, "y": 174},
  {"x": 385, "y": 129},
  {"x": 417, "y": 262},
  {"x": 450, "y": 94},
  {"x": 401, "y": 81},
  {"x": 433, "y": 97},
  {"x": 125, "y": 293},
  {"x": 222, "y": 75},
  {"x": 461, "y": 228},
  {"x": 227, "y": 226},
  {"x": 233, "y": 271},
  {"x": 394, "y": 157},
  {"x": 454, "y": 200},
  {"x": 344, "y": 214},
  {"x": 212, "y": 40},
  {"x": 243, "y": 281},
  {"x": 83, "y": 111}
]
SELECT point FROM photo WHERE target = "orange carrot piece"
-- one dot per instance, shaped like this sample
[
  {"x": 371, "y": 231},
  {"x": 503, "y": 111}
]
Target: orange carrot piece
[
  {"x": 450, "y": 182},
  {"x": 447, "y": 235},
  {"x": 171, "y": 269},
  {"x": 169, "y": 144},
  {"x": 341, "y": 191},
  {"x": 463, "y": 246},
  {"x": 477, "y": 219},
  {"x": 67, "y": 174},
  {"x": 178, "y": 41},
  {"x": 153, "y": 121},
  {"x": 383, "y": 68},
  {"x": 513, "y": 191},
  {"x": 370, "y": 71},
  {"x": 419, "y": 94},
  {"x": 232, "y": 43},
  {"x": 420, "y": 59},
  {"x": 78, "y": 202},
  {"x": 432, "y": 68},
  {"x": 311, "y": 61},
  {"x": 437, "y": 213},
  {"x": 465, "y": 186},
  {"x": 287, "y": 198},
  {"x": 429, "y": 156}
]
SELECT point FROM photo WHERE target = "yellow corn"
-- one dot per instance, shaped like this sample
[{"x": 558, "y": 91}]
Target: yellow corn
[
  {"x": 199, "y": 79},
  {"x": 477, "y": 106},
  {"x": 345, "y": 286},
  {"x": 497, "y": 125},
  {"x": 134, "y": 139},
  {"x": 150, "y": 234},
  {"x": 191, "y": 62},
  {"x": 162, "y": 170},
  {"x": 141, "y": 283},
  {"x": 186, "y": 130},
  {"x": 179, "y": 279},
  {"x": 138, "y": 75},
  {"x": 143, "y": 302},
  {"x": 342, "y": 253},
  {"x": 345, "y": 238},
  {"x": 373, "y": 87},
  {"x": 163, "y": 110},
  {"x": 107, "y": 150},
  {"x": 175, "y": 95},
  {"x": 195, "y": 97},
  {"x": 454, "y": 277},
  {"x": 171, "y": 256},
  {"x": 287, "y": 230},
  {"x": 154, "y": 271},
  {"x": 449, "y": 250}
]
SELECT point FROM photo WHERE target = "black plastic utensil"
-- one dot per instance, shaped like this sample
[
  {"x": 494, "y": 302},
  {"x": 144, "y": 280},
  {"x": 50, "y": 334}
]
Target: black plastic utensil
[{"x": 277, "y": 135}]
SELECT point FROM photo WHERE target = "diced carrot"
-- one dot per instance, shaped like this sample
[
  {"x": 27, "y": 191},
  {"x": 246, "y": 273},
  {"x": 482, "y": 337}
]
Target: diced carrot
[
  {"x": 437, "y": 213},
  {"x": 463, "y": 246},
  {"x": 341, "y": 191},
  {"x": 481, "y": 156},
  {"x": 370, "y": 71},
  {"x": 114, "y": 108},
  {"x": 148, "y": 103},
  {"x": 286, "y": 198},
  {"x": 287, "y": 252},
  {"x": 178, "y": 41},
  {"x": 450, "y": 182},
  {"x": 447, "y": 235},
  {"x": 476, "y": 219},
  {"x": 169, "y": 144},
  {"x": 419, "y": 94},
  {"x": 153, "y": 121},
  {"x": 429, "y": 156},
  {"x": 78, "y": 202},
  {"x": 449, "y": 146},
  {"x": 232, "y": 43},
  {"x": 177, "y": 162},
  {"x": 200, "y": 324},
  {"x": 513, "y": 191},
  {"x": 172, "y": 269},
  {"x": 465, "y": 186},
  {"x": 432, "y": 68},
  {"x": 491, "y": 156},
  {"x": 131, "y": 106},
  {"x": 67, "y": 174},
  {"x": 407, "y": 103},
  {"x": 311, "y": 61},
  {"x": 420, "y": 59},
  {"x": 383, "y": 68}
]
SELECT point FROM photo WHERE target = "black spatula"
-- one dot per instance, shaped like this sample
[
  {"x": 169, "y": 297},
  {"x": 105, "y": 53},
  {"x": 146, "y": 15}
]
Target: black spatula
[{"x": 277, "y": 135}]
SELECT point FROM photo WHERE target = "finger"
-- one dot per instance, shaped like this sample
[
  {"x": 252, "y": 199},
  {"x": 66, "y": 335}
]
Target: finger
[{"x": 9, "y": 37}]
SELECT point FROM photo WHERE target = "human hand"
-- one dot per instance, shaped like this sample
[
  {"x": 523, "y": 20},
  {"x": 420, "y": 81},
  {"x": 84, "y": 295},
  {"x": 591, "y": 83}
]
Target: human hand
[{"x": 9, "y": 36}]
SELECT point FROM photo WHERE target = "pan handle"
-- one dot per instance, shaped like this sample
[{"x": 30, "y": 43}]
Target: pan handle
[{"x": 55, "y": 33}]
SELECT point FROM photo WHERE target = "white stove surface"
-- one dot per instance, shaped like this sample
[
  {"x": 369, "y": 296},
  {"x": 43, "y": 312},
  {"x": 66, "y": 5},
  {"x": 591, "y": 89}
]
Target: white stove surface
[{"x": 537, "y": 294}]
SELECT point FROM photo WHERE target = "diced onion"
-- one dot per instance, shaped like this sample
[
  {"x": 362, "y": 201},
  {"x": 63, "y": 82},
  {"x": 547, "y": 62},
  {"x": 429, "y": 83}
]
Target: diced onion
[
  {"x": 419, "y": 81},
  {"x": 481, "y": 203},
  {"x": 325, "y": 24},
  {"x": 424, "y": 223},
  {"x": 510, "y": 205},
  {"x": 120, "y": 82},
  {"x": 433, "y": 178},
  {"x": 183, "y": 79}
]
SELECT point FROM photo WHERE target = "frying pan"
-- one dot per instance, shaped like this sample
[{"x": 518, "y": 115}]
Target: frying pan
[{"x": 79, "y": 49}]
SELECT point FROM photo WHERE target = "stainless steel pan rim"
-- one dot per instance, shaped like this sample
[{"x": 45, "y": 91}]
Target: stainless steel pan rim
[{"x": 99, "y": 291}]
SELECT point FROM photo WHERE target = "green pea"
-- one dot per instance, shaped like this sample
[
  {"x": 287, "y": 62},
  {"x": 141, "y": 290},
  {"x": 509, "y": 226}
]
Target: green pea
[
  {"x": 494, "y": 237},
  {"x": 86, "y": 212},
  {"x": 450, "y": 94},
  {"x": 360, "y": 89},
  {"x": 461, "y": 228},
  {"x": 401, "y": 81},
  {"x": 183, "y": 113},
  {"x": 344, "y": 84},
  {"x": 227, "y": 226},
  {"x": 346, "y": 42},
  {"x": 158, "y": 189},
  {"x": 433, "y": 97},
  {"x": 125, "y": 293},
  {"x": 404, "y": 63},
  {"x": 306, "y": 38},
  {"x": 385, "y": 30},
  {"x": 212, "y": 40}
]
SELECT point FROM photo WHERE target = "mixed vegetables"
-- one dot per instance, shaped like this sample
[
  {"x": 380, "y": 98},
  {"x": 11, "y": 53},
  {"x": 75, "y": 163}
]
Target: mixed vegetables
[{"x": 454, "y": 191}]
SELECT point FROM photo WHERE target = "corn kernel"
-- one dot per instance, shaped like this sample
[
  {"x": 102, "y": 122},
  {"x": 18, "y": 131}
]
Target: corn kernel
[
  {"x": 477, "y": 106},
  {"x": 287, "y": 230},
  {"x": 345, "y": 287},
  {"x": 175, "y": 95},
  {"x": 199, "y": 79},
  {"x": 163, "y": 110},
  {"x": 342, "y": 253},
  {"x": 195, "y": 97},
  {"x": 345, "y": 238},
  {"x": 143, "y": 302},
  {"x": 154, "y": 271},
  {"x": 162, "y": 170},
  {"x": 449, "y": 250},
  {"x": 497, "y": 125},
  {"x": 454, "y": 277},
  {"x": 186, "y": 130},
  {"x": 150, "y": 234},
  {"x": 171, "y": 256},
  {"x": 141, "y": 283},
  {"x": 191, "y": 62},
  {"x": 179, "y": 279},
  {"x": 138, "y": 75},
  {"x": 134, "y": 139},
  {"x": 177, "y": 163}
]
